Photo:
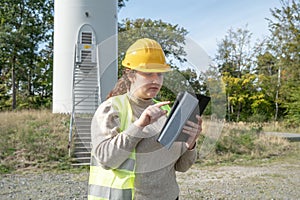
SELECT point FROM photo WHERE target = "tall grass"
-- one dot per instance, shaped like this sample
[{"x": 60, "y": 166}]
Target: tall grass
[
  {"x": 280, "y": 127},
  {"x": 33, "y": 139},
  {"x": 37, "y": 140},
  {"x": 244, "y": 142}
]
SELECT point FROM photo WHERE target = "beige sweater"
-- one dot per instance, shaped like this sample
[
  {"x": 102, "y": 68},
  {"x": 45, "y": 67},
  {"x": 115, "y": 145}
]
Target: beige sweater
[{"x": 155, "y": 165}]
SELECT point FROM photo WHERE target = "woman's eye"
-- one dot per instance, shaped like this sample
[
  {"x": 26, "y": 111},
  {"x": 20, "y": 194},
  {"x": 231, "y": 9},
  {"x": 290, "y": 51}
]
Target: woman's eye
[
  {"x": 146, "y": 74},
  {"x": 149, "y": 74}
]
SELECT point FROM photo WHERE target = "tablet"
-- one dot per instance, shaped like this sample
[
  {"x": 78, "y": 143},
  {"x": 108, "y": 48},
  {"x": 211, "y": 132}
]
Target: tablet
[{"x": 185, "y": 107}]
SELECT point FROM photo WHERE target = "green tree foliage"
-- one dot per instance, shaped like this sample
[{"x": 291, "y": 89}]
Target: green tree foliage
[
  {"x": 234, "y": 58},
  {"x": 285, "y": 45},
  {"x": 182, "y": 80},
  {"x": 262, "y": 83},
  {"x": 269, "y": 84},
  {"x": 278, "y": 62},
  {"x": 26, "y": 56},
  {"x": 121, "y": 3},
  {"x": 234, "y": 52},
  {"x": 25, "y": 25},
  {"x": 171, "y": 37}
]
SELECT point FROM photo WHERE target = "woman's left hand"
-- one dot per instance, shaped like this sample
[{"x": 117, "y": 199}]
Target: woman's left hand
[{"x": 193, "y": 130}]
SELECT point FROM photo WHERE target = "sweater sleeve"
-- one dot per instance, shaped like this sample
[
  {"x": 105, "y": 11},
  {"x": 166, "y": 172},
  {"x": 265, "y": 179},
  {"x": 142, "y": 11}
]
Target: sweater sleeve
[
  {"x": 110, "y": 146},
  {"x": 186, "y": 160}
]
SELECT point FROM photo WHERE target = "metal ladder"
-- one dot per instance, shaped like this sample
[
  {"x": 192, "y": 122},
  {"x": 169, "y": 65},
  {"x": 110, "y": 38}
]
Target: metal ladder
[
  {"x": 85, "y": 99},
  {"x": 85, "y": 96}
]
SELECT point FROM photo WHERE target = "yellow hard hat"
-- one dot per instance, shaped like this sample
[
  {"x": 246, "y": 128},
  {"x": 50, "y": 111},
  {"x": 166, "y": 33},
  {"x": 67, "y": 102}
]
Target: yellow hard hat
[{"x": 146, "y": 55}]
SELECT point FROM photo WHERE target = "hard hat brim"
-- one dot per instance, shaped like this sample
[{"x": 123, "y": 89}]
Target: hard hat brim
[{"x": 151, "y": 67}]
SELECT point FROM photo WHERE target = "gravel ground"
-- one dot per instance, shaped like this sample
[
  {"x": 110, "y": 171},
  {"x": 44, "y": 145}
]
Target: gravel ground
[
  {"x": 50, "y": 186},
  {"x": 276, "y": 180}
]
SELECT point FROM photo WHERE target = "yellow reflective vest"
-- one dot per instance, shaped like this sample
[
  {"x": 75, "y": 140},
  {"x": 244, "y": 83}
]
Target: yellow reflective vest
[{"x": 115, "y": 184}]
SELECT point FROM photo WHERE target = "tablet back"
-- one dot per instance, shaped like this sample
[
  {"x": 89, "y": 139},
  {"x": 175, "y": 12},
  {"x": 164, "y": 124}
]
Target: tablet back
[
  {"x": 181, "y": 111},
  {"x": 185, "y": 107}
]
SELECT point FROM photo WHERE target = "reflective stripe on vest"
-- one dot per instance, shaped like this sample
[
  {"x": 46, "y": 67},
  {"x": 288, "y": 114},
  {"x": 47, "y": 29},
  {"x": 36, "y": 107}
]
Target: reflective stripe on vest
[
  {"x": 101, "y": 193},
  {"x": 117, "y": 183}
]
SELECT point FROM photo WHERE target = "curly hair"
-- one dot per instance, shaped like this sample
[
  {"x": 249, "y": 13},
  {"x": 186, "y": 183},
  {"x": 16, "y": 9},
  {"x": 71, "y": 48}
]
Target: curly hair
[{"x": 123, "y": 84}]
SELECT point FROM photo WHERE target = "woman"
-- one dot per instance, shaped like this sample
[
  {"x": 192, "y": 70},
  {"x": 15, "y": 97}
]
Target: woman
[{"x": 127, "y": 161}]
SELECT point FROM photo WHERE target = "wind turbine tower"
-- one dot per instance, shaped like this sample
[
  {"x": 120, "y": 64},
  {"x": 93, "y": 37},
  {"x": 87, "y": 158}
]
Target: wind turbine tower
[{"x": 85, "y": 54}]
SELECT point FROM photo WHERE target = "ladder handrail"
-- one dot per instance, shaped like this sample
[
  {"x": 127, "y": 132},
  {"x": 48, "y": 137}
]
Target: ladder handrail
[{"x": 73, "y": 106}]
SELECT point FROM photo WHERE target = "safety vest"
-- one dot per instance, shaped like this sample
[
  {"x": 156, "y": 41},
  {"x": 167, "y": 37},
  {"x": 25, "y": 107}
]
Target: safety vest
[{"x": 117, "y": 184}]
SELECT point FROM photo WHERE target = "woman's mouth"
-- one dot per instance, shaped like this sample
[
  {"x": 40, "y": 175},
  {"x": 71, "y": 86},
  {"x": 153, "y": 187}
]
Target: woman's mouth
[{"x": 154, "y": 87}]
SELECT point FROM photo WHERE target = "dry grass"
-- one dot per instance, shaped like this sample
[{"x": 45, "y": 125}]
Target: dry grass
[
  {"x": 32, "y": 139},
  {"x": 280, "y": 127},
  {"x": 241, "y": 142}
]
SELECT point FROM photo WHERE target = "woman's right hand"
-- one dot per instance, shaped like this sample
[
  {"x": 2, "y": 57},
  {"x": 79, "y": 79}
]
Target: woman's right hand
[{"x": 151, "y": 114}]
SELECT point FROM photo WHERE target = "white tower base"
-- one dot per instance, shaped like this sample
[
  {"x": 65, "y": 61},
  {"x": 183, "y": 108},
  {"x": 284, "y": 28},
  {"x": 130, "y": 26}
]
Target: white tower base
[{"x": 69, "y": 17}]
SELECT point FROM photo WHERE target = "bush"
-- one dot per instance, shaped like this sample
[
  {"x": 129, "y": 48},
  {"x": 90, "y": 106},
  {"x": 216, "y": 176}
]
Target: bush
[{"x": 244, "y": 142}]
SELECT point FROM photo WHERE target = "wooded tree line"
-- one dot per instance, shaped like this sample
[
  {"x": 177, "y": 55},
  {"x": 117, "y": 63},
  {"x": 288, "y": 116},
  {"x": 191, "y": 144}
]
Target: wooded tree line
[
  {"x": 261, "y": 81},
  {"x": 26, "y": 28}
]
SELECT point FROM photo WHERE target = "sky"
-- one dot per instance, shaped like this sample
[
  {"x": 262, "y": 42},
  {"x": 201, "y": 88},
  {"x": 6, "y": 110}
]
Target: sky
[{"x": 207, "y": 21}]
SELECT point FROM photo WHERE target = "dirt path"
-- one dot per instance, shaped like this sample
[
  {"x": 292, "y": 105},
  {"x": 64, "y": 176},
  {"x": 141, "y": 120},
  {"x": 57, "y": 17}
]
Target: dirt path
[{"x": 289, "y": 136}]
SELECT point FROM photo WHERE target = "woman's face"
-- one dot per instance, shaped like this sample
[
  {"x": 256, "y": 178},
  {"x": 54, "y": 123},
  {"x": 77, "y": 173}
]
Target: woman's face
[{"x": 145, "y": 85}]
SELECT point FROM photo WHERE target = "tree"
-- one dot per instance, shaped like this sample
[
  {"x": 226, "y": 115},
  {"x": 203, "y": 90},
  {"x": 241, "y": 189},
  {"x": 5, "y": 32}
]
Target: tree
[
  {"x": 234, "y": 61},
  {"x": 267, "y": 73},
  {"x": 26, "y": 34},
  {"x": 242, "y": 93},
  {"x": 284, "y": 44},
  {"x": 234, "y": 52},
  {"x": 121, "y": 3},
  {"x": 171, "y": 37},
  {"x": 25, "y": 26}
]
